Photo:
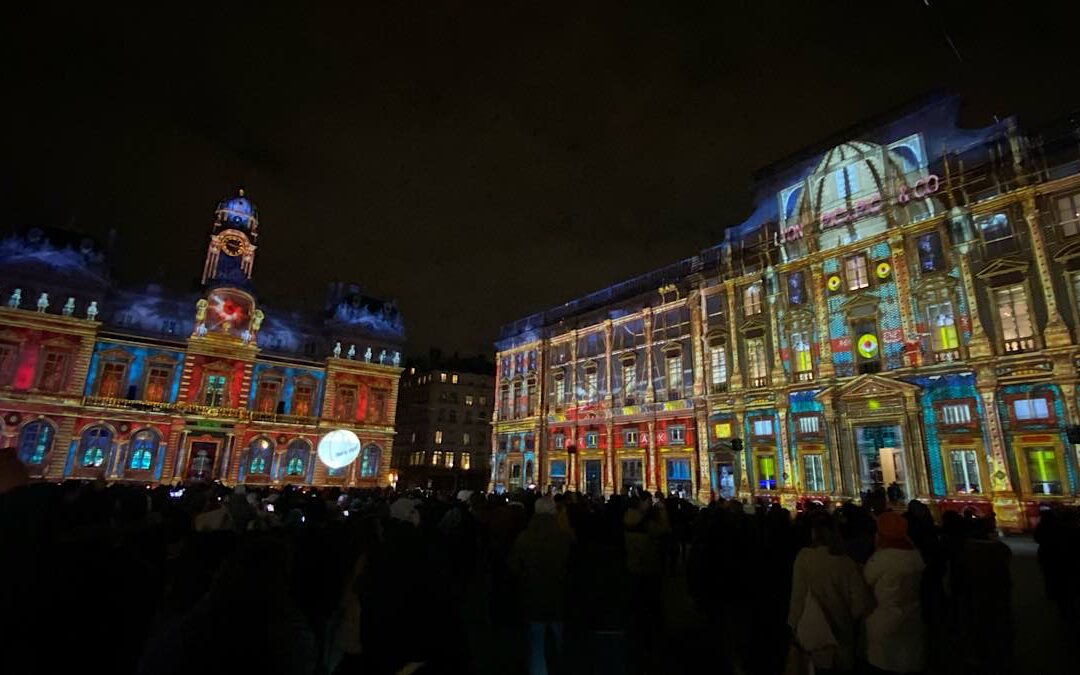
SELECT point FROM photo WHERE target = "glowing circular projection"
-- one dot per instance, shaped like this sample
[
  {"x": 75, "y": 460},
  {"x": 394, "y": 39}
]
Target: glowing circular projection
[
  {"x": 834, "y": 283},
  {"x": 339, "y": 448},
  {"x": 868, "y": 345},
  {"x": 883, "y": 270}
]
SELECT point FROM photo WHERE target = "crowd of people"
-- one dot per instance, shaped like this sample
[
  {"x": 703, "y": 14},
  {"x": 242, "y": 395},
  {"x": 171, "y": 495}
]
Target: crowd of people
[{"x": 207, "y": 578}]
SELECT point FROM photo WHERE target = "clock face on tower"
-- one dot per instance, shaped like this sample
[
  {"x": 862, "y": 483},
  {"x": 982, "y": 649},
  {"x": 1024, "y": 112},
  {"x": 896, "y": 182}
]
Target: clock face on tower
[{"x": 232, "y": 244}]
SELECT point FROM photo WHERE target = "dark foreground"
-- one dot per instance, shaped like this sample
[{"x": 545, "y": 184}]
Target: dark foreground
[{"x": 124, "y": 580}]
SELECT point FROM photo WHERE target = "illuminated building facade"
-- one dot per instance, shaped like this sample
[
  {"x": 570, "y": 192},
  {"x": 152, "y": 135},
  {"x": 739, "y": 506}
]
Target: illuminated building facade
[
  {"x": 901, "y": 310},
  {"x": 103, "y": 382},
  {"x": 444, "y": 425}
]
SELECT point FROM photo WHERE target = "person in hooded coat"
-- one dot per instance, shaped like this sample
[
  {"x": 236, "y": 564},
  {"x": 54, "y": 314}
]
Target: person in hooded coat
[{"x": 895, "y": 641}]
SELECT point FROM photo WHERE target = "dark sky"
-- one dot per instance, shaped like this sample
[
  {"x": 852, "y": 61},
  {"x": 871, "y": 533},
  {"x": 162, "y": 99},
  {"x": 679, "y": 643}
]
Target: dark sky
[{"x": 476, "y": 160}]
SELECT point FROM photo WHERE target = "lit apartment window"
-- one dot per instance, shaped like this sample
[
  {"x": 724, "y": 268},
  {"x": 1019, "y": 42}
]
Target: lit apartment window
[
  {"x": 813, "y": 472},
  {"x": 1068, "y": 213},
  {"x": 1043, "y": 471},
  {"x": 752, "y": 299},
  {"x": 630, "y": 438},
  {"x": 592, "y": 388},
  {"x": 468, "y": 399},
  {"x": 412, "y": 438},
  {"x": 800, "y": 347},
  {"x": 763, "y": 427},
  {"x": 466, "y": 461},
  {"x": 629, "y": 378},
  {"x": 1031, "y": 409},
  {"x": 957, "y": 413},
  {"x": 718, "y": 366},
  {"x": 1013, "y": 313},
  {"x": 436, "y": 457},
  {"x": 449, "y": 460},
  {"x": 943, "y": 335},
  {"x": 676, "y": 434},
  {"x": 757, "y": 361},
  {"x": 560, "y": 389},
  {"x": 674, "y": 376},
  {"x": 442, "y": 377},
  {"x": 965, "y": 472},
  {"x": 438, "y": 437},
  {"x": 856, "y": 272},
  {"x": 809, "y": 424},
  {"x": 454, "y": 379},
  {"x": 766, "y": 470},
  {"x": 465, "y": 438}
]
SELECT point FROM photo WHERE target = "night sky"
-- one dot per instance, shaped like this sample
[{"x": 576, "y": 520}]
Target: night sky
[{"x": 478, "y": 161}]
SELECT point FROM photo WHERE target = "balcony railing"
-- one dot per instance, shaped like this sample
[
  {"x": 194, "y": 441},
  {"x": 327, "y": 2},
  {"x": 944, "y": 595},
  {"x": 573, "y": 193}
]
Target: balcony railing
[
  {"x": 947, "y": 356},
  {"x": 804, "y": 376},
  {"x": 1019, "y": 345},
  {"x": 756, "y": 382},
  {"x": 196, "y": 409}
]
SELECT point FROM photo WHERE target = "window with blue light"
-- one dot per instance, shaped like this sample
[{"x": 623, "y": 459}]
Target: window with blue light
[
  {"x": 296, "y": 458},
  {"x": 592, "y": 439},
  {"x": 35, "y": 441},
  {"x": 94, "y": 446},
  {"x": 144, "y": 444},
  {"x": 558, "y": 469},
  {"x": 931, "y": 256},
  {"x": 369, "y": 461},
  {"x": 261, "y": 456},
  {"x": 678, "y": 469}
]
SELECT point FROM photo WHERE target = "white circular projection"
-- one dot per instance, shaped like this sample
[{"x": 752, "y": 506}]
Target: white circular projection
[{"x": 339, "y": 448}]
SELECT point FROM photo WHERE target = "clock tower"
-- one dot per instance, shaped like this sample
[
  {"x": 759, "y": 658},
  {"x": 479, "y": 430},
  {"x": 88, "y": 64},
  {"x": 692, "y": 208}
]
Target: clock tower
[{"x": 231, "y": 254}]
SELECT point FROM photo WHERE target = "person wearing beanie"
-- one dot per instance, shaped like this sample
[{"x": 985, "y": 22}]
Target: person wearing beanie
[{"x": 895, "y": 641}]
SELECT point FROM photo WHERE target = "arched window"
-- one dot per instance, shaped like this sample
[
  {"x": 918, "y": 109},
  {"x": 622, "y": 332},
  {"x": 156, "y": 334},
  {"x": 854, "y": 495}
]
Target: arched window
[
  {"x": 94, "y": 446},
  {"x": 144, "y": 444},
  {"x": 260, "y": 455},
  {"x": 369, "y": 461},
  {"x": 35, "y": 440},
  {"x": 296, "y": 458}
]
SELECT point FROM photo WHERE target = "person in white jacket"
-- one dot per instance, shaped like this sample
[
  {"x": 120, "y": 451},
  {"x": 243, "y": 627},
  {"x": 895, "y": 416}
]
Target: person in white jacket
[{"x": 895, "y": 641}]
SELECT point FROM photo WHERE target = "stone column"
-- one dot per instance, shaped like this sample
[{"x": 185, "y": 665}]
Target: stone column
[
  {"x": 979, "y": 345},
  {"x": 650, "y": 457},
  {"x": 701, "y": 448},
  {"x": 1056, "y": 333},
  {"x": 821, "y": 315},
  {"x": 609, "y": 460},
  {"x": 697, "y": 339},
  {"x": 1006, "y": 502},
  {"x": 650, "y": 393},
  {"x": 735, "y": 376},
  {"x": 744, "y": 465},
  {"x": 609, "y": 370},
  {"x": 839, "y": 481},
  {"x": 902, "y": 278}
]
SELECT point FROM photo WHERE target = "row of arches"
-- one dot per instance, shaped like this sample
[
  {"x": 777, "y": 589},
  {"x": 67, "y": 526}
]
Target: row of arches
[{"x": 140, "y": 453}]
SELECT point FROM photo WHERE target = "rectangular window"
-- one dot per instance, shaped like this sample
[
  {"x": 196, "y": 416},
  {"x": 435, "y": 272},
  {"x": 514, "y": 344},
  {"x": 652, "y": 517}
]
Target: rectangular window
[
  {"x": 965, "y": 472},
  {"x": 592, "y": 439},
  {"x": 722, "y": 430},
  {"x": 676, "y": 434},
  {"x": 53, "y": 371},
  {"x": 269, "y": 392},
  {"x": 796, "y": 287},
  {"x": 530, "y": 397},
  {"x": 757, "y": 362},
  {"x": 752, "y": 299},
  {"x": 112, "y": 379},
  {"x": 592, "y": 389},
  {"x": 303, "y": 395},
  {"x": 996, "y": 232},
  {"x": 1068, "y": 214},
  {"x": 631, "y": 472},
  {"x": 558, "y": 440},
  {"x": 718, "y": 367},
  {"x": 766, "y": 472},
  {"x": 449, "y": 460},
  {"x": 931, "y": 257},
  {"x": 674, "y": 376},
  {"x": 1042, "y": 470},
  {"x": 802, "y": 359},
  {"x": 630, "y": 438},
  {"x": 157, "y": 383},
  {"x": 436, "y": 457},
  {"x": 956, "y": 413},
  {"x": 214, "y": 390},
  {"x": 504, "y": 402},
  {"x": 629, "y": 375},
  {"x": 465, "y": 438},
  {"x": 809, "y": 425},
  {"x": 346, "y": 402},
  {"x": 560, "y": 390},
  {"x": 438, "y": 438},
  {"x": 856, "y": 273},
  {"x": 515, "y": 472},
  {"x": 442, "y": 377},
  {"x": 677, "y": 470},
  {"x": 943, "y": 336},
  {"x": 483, "y": 400},
  {"x": 763, "y": 426},
  {"x": 468, "y": 399},
  {"x": 558, "y": 470},
  {"x": 813, "y": 472},
  {"x": 9, "y": 354},
  {"x": 454, "y": 379},
  {"x": 466, "y": 461},
  {"x": 1031, "y": 409}
]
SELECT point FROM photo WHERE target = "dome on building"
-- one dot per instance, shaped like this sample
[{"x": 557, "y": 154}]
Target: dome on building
[{"x": 237, "y": 212}]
